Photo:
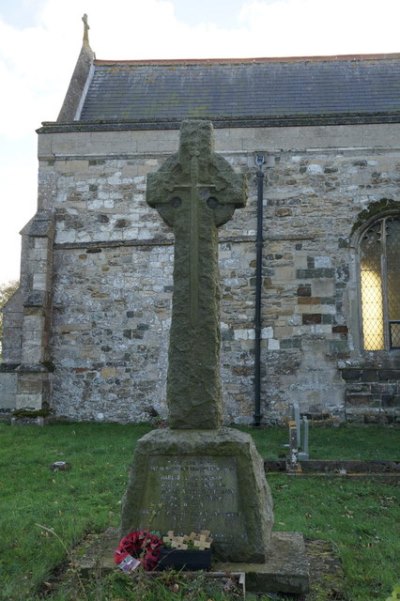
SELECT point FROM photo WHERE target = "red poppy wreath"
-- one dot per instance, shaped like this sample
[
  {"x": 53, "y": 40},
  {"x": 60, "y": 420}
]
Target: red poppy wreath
[{"x": 140, "y": 544}]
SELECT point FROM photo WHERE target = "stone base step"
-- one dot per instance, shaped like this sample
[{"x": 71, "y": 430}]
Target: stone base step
[{"x": 285, "y": 571}]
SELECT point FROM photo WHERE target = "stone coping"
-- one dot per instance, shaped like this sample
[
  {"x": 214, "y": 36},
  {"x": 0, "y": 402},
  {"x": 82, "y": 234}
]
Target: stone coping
[{"x": 224, "y": 122}]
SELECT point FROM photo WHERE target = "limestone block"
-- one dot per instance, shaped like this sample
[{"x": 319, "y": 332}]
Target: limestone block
[
  {"x": 283, "y": 332},
  {"x": 28, "y": 401},
  {"x": 244, "y": 334},
  {"x": 39, "y": 281},
  {"x": 300, "y": 261},
  {"x": 8, "y": 390},
  {"x": 33, "y": 321},
  {"x": 321, "y": 329},
  {"x": 317, "y": 308},
  {"x": 32, "y": 350},
  {"x": 315, "y": 169},
  {"x": 38, "y": 256},
  {"x": 323, "y": 261},
  {"x": 74, "y": 166},
  {"x": 65, "y": 237},
  {"x": 273, "y": 344},
  {"x": 285, "y": 274},
  {"x": 30, "y": 384},
  {"x": 267, "y": 332},
  {"x": 322, "y": 287}
]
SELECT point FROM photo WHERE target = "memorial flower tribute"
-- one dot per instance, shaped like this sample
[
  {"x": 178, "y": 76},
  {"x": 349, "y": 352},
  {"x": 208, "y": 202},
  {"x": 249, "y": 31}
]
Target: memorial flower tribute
[{"x": 138, "y": 548}]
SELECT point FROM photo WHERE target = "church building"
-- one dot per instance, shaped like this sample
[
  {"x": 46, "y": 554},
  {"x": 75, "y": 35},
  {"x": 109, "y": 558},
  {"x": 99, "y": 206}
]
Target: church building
[{"x": 318, "y": 139}]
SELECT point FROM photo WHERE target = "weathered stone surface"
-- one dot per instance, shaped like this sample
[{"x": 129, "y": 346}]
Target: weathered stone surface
[
  {"x": 77, "y": 84},
  {"x": 195, "y": 476},
  {"x": 285, "y": 570},
  {"x": 102, "y": 272},
  {"x": 12, "y": 329},
  {"x": 33, "y": 387},
  {"x": 195, "y": 192},
  {"x": 95, "y": 553},
  {"x": 8, "y": 384},
  {"x": 189, "y": 480}
]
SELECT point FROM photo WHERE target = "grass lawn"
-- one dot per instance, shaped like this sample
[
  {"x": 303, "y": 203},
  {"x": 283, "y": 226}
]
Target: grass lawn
[{"x": 361, "y": 517}]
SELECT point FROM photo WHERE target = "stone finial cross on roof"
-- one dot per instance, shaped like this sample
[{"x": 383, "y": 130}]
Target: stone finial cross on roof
[
  {"x": 86, "y": 28},
  {"x": 195, "y": 192}
]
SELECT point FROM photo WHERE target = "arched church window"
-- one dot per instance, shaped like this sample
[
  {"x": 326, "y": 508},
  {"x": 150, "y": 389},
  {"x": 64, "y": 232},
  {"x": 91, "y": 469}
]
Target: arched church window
[{"x": 380, "y": 284}]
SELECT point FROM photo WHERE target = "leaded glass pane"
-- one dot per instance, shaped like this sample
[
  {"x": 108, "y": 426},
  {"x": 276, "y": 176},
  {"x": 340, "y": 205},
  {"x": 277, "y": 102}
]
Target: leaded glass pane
[
  {"x": 393, "y": 267},
  {"x": 394, "y": 329},
  {"x": 371, "y": 287}
]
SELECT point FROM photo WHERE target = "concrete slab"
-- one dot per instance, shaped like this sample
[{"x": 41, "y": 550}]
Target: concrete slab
[{"x": 285, "y": 571}]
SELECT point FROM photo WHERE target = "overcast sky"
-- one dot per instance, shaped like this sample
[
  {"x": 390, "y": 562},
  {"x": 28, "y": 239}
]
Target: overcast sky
[{"x": 40, "y": 41}]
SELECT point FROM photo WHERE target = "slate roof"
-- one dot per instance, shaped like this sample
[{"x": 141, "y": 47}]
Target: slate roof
[
  {"x": 241, "y": 92},
  {"x": 176, "y": 90}
]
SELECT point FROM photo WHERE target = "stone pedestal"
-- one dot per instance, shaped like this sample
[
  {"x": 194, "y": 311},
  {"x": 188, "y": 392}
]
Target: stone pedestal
[{"x": 202, "y": 480}]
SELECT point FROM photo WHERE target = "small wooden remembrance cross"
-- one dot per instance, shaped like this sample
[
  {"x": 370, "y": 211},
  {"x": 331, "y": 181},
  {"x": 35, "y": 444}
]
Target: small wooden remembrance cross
[
  {"x": 195, "y": 191},
  {"x": 202, "y": 543}
]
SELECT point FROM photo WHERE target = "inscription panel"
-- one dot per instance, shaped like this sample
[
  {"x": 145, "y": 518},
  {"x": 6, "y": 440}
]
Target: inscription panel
[{"x": 194, "y": 493}]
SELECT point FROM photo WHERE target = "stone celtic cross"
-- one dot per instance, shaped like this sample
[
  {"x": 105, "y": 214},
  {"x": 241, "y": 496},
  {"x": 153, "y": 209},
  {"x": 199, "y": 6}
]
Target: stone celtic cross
[{"x": 195, "y": 191}]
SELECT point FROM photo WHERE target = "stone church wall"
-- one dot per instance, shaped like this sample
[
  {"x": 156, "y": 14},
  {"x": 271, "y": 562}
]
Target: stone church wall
[{"x": 113, "y": 263}]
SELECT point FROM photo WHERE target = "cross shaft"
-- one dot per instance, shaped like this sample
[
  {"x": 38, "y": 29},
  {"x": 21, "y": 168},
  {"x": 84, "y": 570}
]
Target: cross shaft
[{"x": 195, "y": 192}]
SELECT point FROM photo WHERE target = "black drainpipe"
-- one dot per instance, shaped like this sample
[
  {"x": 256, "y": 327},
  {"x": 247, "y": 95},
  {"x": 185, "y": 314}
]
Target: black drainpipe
[{"x": 260, "y": 160}]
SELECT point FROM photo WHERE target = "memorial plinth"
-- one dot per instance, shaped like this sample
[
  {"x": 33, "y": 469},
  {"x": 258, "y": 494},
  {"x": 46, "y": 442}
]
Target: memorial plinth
[{"x": 202, "y": 480}]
